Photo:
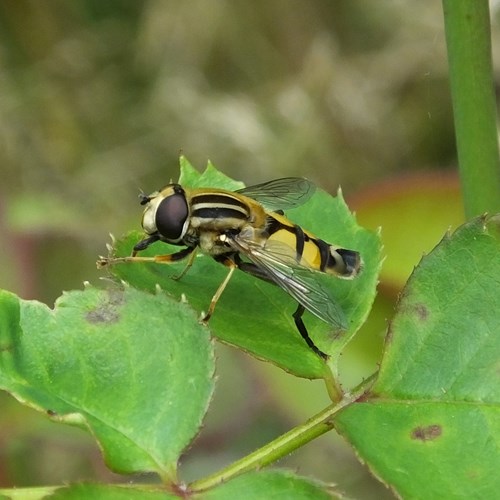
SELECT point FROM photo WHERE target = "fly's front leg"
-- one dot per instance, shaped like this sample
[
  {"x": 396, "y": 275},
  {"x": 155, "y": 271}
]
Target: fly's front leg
[
  {"x": 157, "y": 259},
  {"x": 143, "y": 244}
]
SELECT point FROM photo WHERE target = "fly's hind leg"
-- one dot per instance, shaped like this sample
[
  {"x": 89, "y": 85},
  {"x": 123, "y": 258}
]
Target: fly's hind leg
[{"x": 297, "y": 317}]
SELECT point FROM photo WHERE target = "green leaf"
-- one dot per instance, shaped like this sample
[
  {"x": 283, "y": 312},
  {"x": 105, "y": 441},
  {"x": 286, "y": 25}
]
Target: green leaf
[
  {"x": 431, "y": 422},
  {"x": 253, "y": 485},
  {"x": 85, "y": 491},
  {"x": 255, "y": 315},
  {"x": 109, "y": 492},
  {"x": 190, "y": 177},
  {"x": 134, "y": 368},
  {"x": 268, "y": 484}
]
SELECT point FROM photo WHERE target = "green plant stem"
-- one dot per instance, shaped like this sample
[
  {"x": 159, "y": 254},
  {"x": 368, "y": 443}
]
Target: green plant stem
[
  {"x": 28, "y": 493},
  {"x": 467, "y": 26},
  {"x": 280, "y": 447},
  {"x": 331, "y": 379}
]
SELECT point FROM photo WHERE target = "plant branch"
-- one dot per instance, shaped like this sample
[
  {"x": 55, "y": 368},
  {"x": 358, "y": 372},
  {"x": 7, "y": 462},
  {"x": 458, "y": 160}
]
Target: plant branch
[
  {"x": 468, "y": 38},
  {"x": 282, "y": 446}
]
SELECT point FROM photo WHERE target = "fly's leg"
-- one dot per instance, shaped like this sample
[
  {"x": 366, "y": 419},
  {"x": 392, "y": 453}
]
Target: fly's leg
[
  {"x": 254, "y": 270},
  {"x": 157, "y": 259},
  {"x": 297, "y": 317},
  {"x": 188, "y": 265},
  {"x": 143, "y": 244},
  {"x": 232, "y": 266}
]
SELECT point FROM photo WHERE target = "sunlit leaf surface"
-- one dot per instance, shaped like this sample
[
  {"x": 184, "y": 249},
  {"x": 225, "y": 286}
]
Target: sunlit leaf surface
[
  {"x": 134, "y": 368},
  {"x": 431, "y": 422}
]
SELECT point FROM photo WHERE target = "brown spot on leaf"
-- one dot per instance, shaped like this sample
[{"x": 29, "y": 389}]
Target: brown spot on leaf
[
  {"x": 103, "y": 314},
  {"x": 418, "y": 309},
  {"x": 6, "y": 347},
  {"x": 421, "y": 311},
  {"x": 108, "y": 310},
  {"x": 428, "y": 433}
]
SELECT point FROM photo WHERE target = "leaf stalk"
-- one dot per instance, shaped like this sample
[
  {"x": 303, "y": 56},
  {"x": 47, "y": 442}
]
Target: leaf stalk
[{"x": 282, "y": 446}]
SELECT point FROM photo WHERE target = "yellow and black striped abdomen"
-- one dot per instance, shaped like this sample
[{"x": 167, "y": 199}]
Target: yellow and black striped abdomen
[{"x": 310, "y": 251}]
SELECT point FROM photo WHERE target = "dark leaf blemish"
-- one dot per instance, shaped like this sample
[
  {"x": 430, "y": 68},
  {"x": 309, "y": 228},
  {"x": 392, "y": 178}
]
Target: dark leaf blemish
[
  {"x": 428, "y": 433},
  {"x": 103, "y": 314},
  {"x": 107, "y": 311}
]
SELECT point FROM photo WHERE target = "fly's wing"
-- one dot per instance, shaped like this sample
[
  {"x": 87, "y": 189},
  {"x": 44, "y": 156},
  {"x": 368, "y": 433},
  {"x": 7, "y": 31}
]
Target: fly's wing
[
  {"x": 281, "y": 194},
  {"x": 299, "y": 282}
]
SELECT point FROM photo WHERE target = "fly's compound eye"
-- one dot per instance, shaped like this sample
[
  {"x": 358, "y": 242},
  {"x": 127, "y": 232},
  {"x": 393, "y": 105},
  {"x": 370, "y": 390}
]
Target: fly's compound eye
[{"x": 171, "y": 216}]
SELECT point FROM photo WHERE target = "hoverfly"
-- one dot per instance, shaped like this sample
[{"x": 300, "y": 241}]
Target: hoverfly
[{"x": 247, "y": 230}]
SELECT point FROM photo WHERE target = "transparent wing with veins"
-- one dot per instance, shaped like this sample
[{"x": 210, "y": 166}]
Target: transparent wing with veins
[
  {"x": 279, "y": 265},
  {"x": 281, "y": 194}
]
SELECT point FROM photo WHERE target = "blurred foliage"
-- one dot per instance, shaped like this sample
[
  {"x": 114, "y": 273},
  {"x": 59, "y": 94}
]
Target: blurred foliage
[{"x": 98, "y": 99}]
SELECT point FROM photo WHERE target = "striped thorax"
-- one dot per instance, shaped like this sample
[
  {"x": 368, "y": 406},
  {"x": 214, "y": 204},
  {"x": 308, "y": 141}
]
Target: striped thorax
[{"x": 199, "y": 216}]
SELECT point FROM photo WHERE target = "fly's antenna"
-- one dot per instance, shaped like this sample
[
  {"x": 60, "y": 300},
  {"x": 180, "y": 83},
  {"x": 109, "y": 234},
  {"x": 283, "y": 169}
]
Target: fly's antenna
[{"x": 143, "y": 198}]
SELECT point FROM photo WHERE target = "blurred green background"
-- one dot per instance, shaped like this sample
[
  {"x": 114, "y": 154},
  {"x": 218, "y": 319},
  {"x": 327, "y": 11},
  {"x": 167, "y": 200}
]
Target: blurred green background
[{"x": 97, "y": 100}]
